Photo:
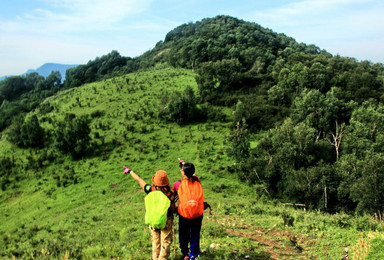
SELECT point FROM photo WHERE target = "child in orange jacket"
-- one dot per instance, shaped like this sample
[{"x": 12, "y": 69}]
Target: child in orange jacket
[{"x": 189, "y": 226}]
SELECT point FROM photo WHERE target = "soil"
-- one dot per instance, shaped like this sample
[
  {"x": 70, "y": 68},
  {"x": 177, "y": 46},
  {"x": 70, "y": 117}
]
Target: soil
[{"x": 277, "y": 243}]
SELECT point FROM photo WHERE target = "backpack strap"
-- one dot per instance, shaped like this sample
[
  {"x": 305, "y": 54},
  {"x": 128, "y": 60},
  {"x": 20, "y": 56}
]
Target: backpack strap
[{"x": 169, "y": 194}]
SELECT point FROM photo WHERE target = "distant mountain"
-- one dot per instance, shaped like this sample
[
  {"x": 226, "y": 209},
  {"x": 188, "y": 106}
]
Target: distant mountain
[{"x": 47, "y": 69}]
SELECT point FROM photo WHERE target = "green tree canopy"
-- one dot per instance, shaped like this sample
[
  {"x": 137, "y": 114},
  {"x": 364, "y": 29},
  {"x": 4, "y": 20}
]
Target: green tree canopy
[{"x": 72, "y": 135}]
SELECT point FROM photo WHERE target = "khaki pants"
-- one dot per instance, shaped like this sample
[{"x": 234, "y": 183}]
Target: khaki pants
[{"x": 161, "y": 241}]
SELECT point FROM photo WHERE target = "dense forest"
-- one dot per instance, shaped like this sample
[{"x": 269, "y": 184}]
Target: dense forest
[{"x": 307, "y": 125}]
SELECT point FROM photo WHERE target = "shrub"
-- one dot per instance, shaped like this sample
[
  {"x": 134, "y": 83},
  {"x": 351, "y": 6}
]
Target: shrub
[
  {"x": 97, "y": 113},
  {"x": 364, "y": 223},
  {"x": 32, "y": 134},
  {"x": 288, "y": 219},
  {"x": 342, "y": 220}
]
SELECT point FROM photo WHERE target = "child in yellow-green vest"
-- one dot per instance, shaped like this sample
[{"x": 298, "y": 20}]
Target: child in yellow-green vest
[{"x": 161, "y": 238}]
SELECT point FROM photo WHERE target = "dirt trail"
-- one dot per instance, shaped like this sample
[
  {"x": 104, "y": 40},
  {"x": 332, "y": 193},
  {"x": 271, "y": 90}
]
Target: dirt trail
[{"x": 278, "y": 243}]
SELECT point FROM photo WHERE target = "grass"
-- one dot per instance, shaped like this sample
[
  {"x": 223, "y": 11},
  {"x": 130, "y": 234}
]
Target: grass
[{"x": 101, "y": 214}]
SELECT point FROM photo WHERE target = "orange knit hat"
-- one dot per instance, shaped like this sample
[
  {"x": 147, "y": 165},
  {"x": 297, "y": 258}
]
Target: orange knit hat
[{"x": 160, "y": 178}]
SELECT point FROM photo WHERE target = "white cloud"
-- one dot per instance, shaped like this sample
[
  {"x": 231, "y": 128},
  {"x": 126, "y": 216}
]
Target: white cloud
[
  {"x": 71, "y": 31},
  {"x": 70, "y": 16}
]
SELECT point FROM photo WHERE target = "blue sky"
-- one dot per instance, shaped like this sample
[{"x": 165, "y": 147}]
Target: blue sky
[{"x": 34, "y": 32}]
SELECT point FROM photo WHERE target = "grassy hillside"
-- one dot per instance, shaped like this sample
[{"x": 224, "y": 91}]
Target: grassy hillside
[
  {"x": 58, "y": 208},
  {"x": 317, "y": 118}
]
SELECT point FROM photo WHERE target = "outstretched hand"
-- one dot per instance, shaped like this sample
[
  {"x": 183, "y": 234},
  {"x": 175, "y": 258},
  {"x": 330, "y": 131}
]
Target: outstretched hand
[
  {"x": 127, "y": 170},
  {"x": 181, "y": 162}
]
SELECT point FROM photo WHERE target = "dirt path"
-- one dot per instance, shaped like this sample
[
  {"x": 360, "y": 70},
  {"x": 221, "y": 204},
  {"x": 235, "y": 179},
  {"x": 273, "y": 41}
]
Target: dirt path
[{"x": 278, "y": 243}]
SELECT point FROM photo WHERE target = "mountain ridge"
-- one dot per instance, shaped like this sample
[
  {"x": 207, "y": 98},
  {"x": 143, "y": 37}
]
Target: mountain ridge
[{"x": 46, "y": 69}]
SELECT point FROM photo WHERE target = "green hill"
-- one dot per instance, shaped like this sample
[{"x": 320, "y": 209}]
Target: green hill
[
  {"x": 56, "y": 207},
  {"x": 253, "y": 110}
]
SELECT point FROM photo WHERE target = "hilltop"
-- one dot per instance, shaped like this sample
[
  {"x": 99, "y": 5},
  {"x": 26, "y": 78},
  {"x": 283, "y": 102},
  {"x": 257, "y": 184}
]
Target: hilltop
[{"x": 254, "y": 110}]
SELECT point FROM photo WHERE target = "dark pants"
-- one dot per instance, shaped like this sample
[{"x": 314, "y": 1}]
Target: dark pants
[{"x": 189, "y": 232}]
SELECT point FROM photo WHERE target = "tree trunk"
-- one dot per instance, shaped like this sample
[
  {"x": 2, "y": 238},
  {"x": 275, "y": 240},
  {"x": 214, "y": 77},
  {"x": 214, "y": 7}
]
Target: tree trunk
[{"x": 336, "y": 138}]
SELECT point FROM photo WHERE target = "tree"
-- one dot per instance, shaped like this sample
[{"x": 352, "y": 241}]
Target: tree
[
  {"x": 291, "y": 83},
  {"x": 53, "y": 80},
  {"x": 347, "y": 169},
  {"x": 13, "y": 87},
  {"x": 239, "y": 139},
  {"x": 239, "y": 114},
  {"x": 109, "y": 62},
  {"x": 361, "y": 162},
  {"x": 72, "y": 135},
  {"x": 198, "y": 52},
  {"x": 180, "y": 107},
  {"x": 279, "y": 96},
  {"x": 33, "y": 80},
  {"x": 368, "y": 190},
  {"x": 14, "y": 131},
  {"x": 321, "y": 111},
  {"x": 7, "y": 172},
  {"x": 289, "y": 151},
  {"x": 311, "y": 186},
  {"x": 95, "y": 70},
  {"x": 32, "y": 134},
  {"x": 365, "y": 131},
  {"x": 336, "y": 139},
  {"x": 318, "y": 77},
  {"x": 309, "y": 107},
  {"x": 216, "y": 77}
]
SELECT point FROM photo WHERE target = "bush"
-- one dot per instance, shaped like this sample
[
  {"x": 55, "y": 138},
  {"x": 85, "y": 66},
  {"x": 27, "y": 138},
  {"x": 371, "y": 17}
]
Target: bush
[
  {"x": 342, "y": 220},
  {"x": 97, "y": 113},
  {"x": 211, "y": 113},
  {"x": 364, "y": 223},
  {"x": 32, "y": 134},
  {"x": 288, "y": 219}
]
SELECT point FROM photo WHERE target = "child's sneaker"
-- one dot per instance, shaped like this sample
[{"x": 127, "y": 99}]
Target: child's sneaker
[{"x": 186, "y": 257}]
